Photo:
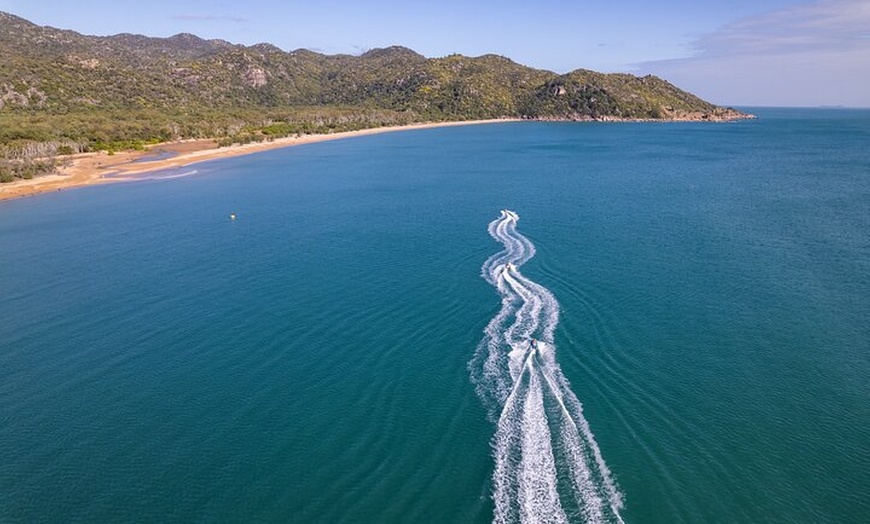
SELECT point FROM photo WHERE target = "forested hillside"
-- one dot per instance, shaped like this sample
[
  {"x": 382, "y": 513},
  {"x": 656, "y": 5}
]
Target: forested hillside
[{"x": 64, "y": 92}]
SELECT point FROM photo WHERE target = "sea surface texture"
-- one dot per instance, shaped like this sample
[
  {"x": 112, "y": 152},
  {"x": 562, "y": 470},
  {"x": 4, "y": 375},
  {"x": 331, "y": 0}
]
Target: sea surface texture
[{"x": 672, "y": 327}]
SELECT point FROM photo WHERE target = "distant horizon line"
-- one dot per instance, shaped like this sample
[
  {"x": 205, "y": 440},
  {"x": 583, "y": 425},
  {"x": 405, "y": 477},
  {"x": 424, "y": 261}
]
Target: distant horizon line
[{"x": 818, "y": 106}]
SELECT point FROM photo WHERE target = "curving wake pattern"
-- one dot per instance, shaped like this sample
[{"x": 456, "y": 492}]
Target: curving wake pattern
[{"x": 548, "y": 467}]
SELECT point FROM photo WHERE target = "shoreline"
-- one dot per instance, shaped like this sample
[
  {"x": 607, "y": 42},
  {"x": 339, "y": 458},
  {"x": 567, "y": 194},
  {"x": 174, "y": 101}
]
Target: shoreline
[{"x": 87, "y": 169}]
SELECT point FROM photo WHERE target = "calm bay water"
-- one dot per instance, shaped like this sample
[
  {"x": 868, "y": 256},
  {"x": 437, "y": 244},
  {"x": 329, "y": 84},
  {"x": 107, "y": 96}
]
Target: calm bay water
[{"x": 309, "y": 361}]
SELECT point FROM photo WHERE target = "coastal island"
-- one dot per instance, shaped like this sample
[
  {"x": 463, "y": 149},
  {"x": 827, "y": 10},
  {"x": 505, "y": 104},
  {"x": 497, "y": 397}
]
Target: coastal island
[{"x": 75, "y": 107}]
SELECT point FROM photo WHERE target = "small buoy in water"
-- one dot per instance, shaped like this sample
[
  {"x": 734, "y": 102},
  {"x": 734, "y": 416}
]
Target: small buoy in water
[{"x": 232, "y": 216}]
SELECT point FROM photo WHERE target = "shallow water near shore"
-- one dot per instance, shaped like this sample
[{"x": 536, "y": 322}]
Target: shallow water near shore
[{"x": 309, "y": 361}]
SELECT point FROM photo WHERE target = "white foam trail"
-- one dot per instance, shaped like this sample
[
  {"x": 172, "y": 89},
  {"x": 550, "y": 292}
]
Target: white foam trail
[
  {"x": 548, "y": 467},
  {"x": 170, "y": 177}
]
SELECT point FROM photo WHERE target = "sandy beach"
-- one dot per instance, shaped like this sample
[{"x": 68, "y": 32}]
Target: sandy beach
[{"x": 101, "y": 168}]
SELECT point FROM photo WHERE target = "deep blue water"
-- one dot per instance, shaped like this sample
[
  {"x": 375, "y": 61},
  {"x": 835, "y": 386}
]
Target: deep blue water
[{"x": 309, "y": 361}]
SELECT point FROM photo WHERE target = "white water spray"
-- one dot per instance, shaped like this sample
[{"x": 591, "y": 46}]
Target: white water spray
[{"x": 548, "y": 467}]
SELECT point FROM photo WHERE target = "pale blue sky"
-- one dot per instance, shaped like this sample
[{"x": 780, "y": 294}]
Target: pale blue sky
[{"x": 735, "y": 52}]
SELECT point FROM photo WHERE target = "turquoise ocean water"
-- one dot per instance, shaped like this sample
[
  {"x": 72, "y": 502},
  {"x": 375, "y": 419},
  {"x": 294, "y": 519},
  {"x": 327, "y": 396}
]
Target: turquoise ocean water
[{"x": 702, "y": 290}]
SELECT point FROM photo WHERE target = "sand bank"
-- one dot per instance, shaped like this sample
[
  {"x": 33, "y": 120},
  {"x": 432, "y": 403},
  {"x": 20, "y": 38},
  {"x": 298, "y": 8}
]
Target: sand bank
[{"x": 101, "y": 168}]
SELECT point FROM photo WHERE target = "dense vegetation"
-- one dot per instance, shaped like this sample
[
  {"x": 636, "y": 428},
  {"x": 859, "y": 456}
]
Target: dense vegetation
[{"x": 62, "y": 92}]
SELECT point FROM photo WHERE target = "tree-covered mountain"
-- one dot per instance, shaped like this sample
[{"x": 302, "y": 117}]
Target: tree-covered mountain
[{"x": 61, "y": 87}]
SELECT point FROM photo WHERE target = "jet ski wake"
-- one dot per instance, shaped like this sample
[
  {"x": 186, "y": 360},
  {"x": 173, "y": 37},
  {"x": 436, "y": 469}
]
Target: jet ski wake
[{"x": 548, "y": 467}]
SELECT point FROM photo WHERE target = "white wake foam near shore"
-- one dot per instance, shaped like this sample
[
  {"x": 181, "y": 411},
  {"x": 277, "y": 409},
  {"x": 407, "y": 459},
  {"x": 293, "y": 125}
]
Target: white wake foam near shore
[{"x": 548, "y": 467}]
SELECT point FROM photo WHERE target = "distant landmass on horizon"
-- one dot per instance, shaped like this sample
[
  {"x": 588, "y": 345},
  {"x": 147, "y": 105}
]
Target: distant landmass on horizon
[{"x": 62, "y": 92}]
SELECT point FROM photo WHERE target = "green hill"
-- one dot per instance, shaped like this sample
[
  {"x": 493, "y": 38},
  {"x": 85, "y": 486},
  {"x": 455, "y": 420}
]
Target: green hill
[{"x": 61, "y": 91}]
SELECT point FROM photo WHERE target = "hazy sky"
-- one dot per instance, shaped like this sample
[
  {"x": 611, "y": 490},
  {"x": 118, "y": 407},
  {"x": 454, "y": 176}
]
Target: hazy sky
[{"x": 733, "y": 52}]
